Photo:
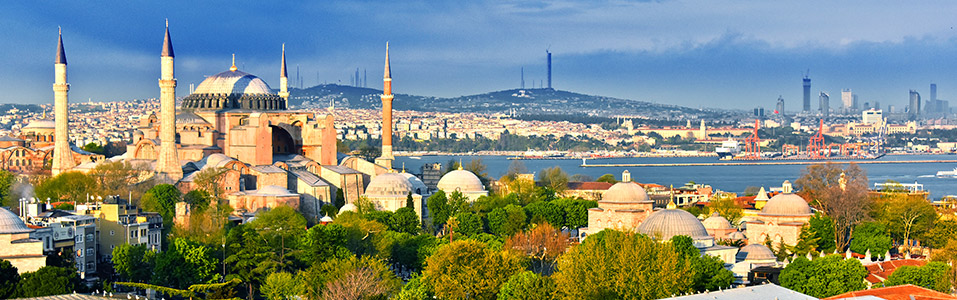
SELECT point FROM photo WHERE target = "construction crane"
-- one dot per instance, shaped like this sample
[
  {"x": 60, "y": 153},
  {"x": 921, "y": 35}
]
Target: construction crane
[
  {"x": 752, "y": 144},
  {"x": 790, "y": 150},
  {"x": 815, "y": 146}
]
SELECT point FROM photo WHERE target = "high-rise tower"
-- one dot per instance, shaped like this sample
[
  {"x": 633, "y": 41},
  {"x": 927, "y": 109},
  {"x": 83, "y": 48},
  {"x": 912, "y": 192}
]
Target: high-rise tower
[
  {"x": 807, "y": 93},
  {"x": 913, "y": 110},
  {"x": 168, "y": 169},
  {"x": 386, "y": 158},
  {"x": 549, "y": 68},
  {"x": 62, "y": 153},
  {"x": 825, "y": 105},
  {"x": 779, "y": 109}
]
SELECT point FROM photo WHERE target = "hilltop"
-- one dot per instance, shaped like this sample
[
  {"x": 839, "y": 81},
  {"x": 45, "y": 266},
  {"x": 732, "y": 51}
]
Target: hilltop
[{"x": 519, "y": 101}]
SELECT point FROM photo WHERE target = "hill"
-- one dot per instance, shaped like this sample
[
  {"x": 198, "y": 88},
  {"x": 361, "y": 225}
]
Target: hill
[{"x": 517, "y": 101}]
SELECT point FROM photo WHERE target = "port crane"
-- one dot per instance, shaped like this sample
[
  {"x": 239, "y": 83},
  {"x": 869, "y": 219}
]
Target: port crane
[{"x": 752, "y": 144}]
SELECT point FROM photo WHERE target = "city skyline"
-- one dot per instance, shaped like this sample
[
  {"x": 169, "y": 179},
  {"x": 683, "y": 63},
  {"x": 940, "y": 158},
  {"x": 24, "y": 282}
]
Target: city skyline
[{"x": 673, "y": 52}]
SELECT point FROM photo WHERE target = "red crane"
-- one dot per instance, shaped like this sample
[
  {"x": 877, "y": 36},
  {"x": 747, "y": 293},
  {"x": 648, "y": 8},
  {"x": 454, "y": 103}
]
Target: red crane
[
  {"x": 752, "y": 144},
  {"x": 815, "y": 146}
]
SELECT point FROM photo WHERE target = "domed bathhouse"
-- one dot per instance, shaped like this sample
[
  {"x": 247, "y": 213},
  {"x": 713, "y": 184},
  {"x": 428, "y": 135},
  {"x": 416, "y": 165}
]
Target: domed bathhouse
[
  {"x": 464, "y": 182},
  {"x": 664, "y": 224},
  {"x": 623, "y": 206},
  {"x": 749, "y": 262},
  {"x": 718, "y": 227},
  {"x": 780, "y": 220},
  {"x": 390, "y": 191}
]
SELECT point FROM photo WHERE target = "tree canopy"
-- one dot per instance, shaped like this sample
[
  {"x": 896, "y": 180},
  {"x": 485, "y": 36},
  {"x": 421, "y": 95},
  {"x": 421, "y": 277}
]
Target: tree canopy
[{"x": 824, "y": 277}]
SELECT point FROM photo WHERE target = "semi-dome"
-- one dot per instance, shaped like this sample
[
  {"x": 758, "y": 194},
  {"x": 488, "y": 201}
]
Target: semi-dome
[
  {"x": 667, "y": 223},
  {"x": 755, "y": 252},
  {"x": 460, "y": 180},
  {"x": 389, "y": 185},
  {"x": 46, "y": 124},
  {"x": 716, "y": 221},
  {"x": 188, "y": 117},
  {"x": 418, "y": 187},
  {"x": 625, "y": 192},
  {"x": 233, "y": 89},
  {"x": 786, "y": 205},
  {"x": 11, "y": 224}
]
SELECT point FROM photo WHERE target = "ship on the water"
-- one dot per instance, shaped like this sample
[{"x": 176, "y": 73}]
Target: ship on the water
[
  {"x": 729, "y": 149},
  {"x": 947, "y": 173}
]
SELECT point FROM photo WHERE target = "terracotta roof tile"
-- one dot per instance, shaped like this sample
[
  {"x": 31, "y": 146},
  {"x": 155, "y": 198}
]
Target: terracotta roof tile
[
  {"x": 589, "y": 186},
  {"x": 899, "y": 292}
]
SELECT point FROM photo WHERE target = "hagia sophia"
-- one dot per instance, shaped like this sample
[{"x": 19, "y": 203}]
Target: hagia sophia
[{"x": 234, "y": 122}]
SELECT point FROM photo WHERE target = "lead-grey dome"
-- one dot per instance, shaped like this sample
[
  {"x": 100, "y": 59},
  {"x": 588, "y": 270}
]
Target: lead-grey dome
[
  {"x": 716, "y": 221},
  {"x": 625, "y": 192},
  {"x": 418, "y": 187},
  {"x": 786, "y": 205},
  {"x": 233, "y": 90},
  {"x": 11, "y": 224},
  {"x": 389, "y": 185},
  {"x": 755, "y": 253},
  {"x": 460, "y": 180},
  {"x": 667, "y": 223},
  {"x": 188, "y": 117}
]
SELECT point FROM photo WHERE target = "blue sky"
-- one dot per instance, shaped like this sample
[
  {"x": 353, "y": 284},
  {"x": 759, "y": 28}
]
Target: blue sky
[{"x": 720, "y": 53}]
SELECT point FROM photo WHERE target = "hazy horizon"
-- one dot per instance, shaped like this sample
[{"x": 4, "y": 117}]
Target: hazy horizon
[{"x": 727, "y": 54}]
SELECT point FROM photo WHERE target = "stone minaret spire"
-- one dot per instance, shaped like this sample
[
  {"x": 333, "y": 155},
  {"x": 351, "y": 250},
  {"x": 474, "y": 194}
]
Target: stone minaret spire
[
  {"x": 62, "y": 153},
  {"x": 283, "y": 79},
  {"x": 168, "y": 169},
  {"x": 386, "y": 159}
]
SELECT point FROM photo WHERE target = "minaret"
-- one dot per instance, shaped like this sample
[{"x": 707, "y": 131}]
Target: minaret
[
  {"x": 386, "y": 159},
  {"x": 283, "y": 79},
  {"x": 168, "y": 169},
  {"x": 62, "y": 152}
]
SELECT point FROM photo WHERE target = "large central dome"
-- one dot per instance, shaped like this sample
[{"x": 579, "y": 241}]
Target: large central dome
[{"x": 233, "y": 89}]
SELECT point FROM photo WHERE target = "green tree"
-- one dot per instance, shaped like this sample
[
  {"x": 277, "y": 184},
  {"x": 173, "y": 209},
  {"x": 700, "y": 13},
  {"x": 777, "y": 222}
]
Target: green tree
[
  {"x": 477, "y": 167},
  {"x": 709, "y": 272},
  {"x": 506, "y": 221},
  {"x": 725, "y": 206},
  {"x": 162, "y": 199},
  {"x": 281, "y": 227},
  {"x": 198, "y": 200},
  {"x": 609, "y": 178},
  {"x": 617, "y": 265},
  {"x": 824, "y": 277},
  {"x": 9, "y": 279},
  {"x": 409, "y": 202},
  {"x": 322, "y": 243},
  {"x": 134, "y": 263},
  {"x": 94, "y": 148},
  {"x": 405, "y": 220},
  {"x": 7, "y": 196},
  {"x": 554, "y": 178},
  {"x": 350, "y": 278},
  {"x": 870, "y": 236},
  {"x": 281, "y": 286},
  {"x": 415, "y": 289},
  {"x": 840, "y": 194},
  {"x": 120, "y": 178},
  {"x": 468, "y": 269},
  {"x": 250, "y": 257},
  {"x": 933, "y": 276},
  {"x": 48, "y": 281},
  {"x": 904, "y": 215},
  {"x": 69, "y": 186},
  {"x": 438, "y": 207},
  {"x": 469, "y": 224},
  {"x": 527, "y": 286},
  {"x": 340, "y": 199},
  {"x": 185, "y": 263},
  {"x": 823, "y": 228},
  {"x": 545, "y": 211},
  {"x": 211, "y": 181}
]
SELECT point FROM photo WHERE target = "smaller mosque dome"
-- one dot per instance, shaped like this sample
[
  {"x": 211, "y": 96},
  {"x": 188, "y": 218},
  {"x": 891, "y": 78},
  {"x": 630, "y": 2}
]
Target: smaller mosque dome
[
  {"x": 625, "y": 192},
  {"x": 786, "y": 205},
  {"x": 325, "y": 219},
  {"x": 11, "y": 224},
  {"x": 667, "y": 223},
  {"x": 389, "y": 185},
  {"x": 736, "y": 236},
  {"x": 38, "y": 124},
  {"x": 754, "y": 253},
  {"x": 213, "y": 160},
  {"x": 418, "y": 187},
  {"x": 348, "y": 207},
  {"x": 462, "y": 181},
  {"x": 716, "y": 221}
]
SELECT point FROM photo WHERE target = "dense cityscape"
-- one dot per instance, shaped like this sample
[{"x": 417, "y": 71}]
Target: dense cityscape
[{"x": 240, "y": 189}]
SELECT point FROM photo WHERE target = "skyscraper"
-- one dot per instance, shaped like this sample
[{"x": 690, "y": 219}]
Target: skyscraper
[
  {"x": 807, "y": 93},
  {"x": 780, "y": 107},
  {"x": 549, "y": 69},
  {"x": 847, "y": 99},
  {"x": 913, "y": 110},
  {"x": 825, "y": 104},
  {"x": 933, "y": 91}
]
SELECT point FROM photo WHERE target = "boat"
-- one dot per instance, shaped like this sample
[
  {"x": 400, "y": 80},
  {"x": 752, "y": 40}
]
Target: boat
[
  {"x": 728, "y": 149},
  {"x": 947, "y": 173}
]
